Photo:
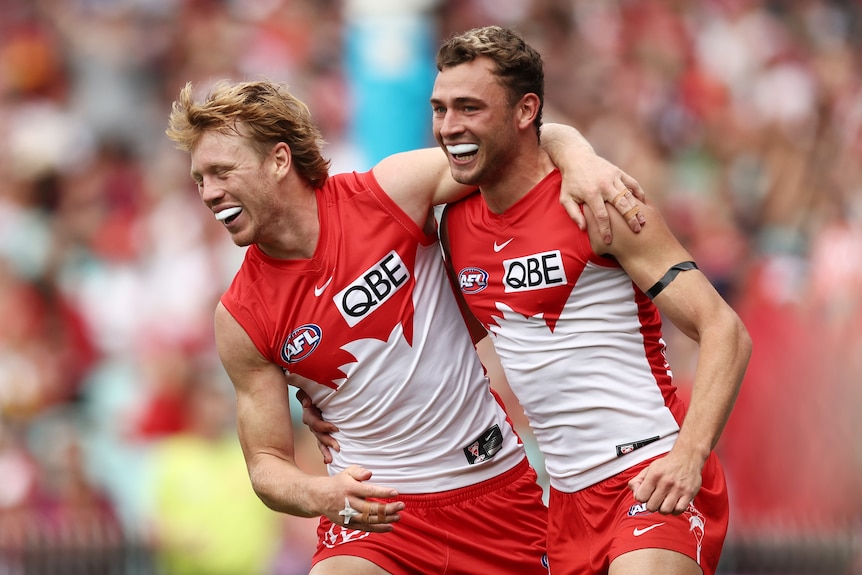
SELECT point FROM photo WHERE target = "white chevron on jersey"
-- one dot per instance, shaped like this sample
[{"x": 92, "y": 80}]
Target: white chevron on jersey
[
  {"x": 581, "y": 346},
  {"x": 396, "y": 372}
]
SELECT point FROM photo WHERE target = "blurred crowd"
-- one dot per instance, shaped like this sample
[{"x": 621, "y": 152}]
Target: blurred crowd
[{"x": 742, "y": 119}]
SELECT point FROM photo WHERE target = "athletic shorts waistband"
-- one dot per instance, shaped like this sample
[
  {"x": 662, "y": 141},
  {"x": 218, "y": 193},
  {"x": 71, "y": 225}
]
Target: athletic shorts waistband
[{"x": 462, "y": 494}]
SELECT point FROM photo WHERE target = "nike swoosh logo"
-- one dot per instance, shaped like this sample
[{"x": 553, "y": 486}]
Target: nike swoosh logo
[
  {"x": 319, "y": 290},
  {"x": 498, "y": 247},
  {"x": 638, "y": 532}
]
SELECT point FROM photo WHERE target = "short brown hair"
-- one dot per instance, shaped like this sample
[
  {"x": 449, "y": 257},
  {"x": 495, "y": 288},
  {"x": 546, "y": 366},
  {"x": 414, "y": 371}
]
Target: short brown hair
[
  {"x": 519, "y": 65},
  {"x": 263, "y": 112}
]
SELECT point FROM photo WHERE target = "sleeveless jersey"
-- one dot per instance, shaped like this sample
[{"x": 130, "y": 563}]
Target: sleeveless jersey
[
  {"x": 580, "y": 344},
  {"x": 372, "y": 322}
]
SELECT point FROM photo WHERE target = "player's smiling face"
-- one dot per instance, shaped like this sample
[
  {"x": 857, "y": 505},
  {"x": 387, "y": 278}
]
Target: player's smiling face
[
  {"x": 232, "y": 182},
  {"x": 473, "y": 121}
]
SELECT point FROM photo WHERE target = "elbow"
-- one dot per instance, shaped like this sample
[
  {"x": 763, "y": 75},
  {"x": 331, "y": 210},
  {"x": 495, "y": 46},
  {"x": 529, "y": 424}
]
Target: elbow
[
  {"x": 262, "y": 487},
  {"x": 745, "y": 345}
]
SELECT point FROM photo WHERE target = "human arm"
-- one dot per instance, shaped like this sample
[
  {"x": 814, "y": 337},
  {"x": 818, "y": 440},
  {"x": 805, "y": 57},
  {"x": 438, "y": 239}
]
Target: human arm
[
  {"x": 692, "y": 304},
  {"x": 420, "y": 179},
  {"x": 266, "y": 436},
  {"x": 591, "y": 179}
]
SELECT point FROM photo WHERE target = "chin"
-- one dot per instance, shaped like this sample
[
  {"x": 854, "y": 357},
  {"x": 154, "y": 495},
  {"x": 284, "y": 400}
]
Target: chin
[{"x": 463, "y": 176}]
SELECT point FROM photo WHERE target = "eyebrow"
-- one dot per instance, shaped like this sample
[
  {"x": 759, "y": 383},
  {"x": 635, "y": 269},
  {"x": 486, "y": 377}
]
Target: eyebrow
[{"x": 459, "y": 100}]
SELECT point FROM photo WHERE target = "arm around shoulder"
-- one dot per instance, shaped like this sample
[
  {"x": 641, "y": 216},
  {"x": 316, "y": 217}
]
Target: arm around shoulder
[{"x": 418, "y": 180}]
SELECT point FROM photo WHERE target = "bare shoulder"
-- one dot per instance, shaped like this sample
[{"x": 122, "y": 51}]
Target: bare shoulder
[{"x": 237, "y": 352}]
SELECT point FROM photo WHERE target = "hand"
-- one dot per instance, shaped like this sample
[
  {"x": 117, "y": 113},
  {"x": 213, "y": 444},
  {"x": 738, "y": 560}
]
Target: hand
[
  {"x": 350, "y": 503},
  {"x": 322, "y": 429},
  {"x": 596, "y": 183},
  {"x": 668, "y": 484}
]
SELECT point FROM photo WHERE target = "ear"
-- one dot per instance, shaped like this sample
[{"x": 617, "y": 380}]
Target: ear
[
  {"x": 281, "y": 160},
  {"x": 528, "y": 108}
]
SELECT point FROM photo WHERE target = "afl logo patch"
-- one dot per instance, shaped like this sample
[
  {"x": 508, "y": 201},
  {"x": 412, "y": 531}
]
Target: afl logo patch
[
  {"x": 301, "y": 343},
  {"x": 472, "y": 280}
]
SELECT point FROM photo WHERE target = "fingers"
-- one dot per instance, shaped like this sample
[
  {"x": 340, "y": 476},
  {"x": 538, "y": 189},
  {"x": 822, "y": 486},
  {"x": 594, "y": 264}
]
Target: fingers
[
  {"x": 635, "y": 483},
  {"x": 669, "y": 499},
  {"x": 633, "y": 185},
  {"x": 313, "y": 419},
  {"x": 602, "y": 219},
  {"x": 367, "y": 515},
  {"x": 361, "y": 474},
  {"x": 626, "y": 204},
  {"x": 574, "y": 210},
  {"x": 325, "y": 452}
]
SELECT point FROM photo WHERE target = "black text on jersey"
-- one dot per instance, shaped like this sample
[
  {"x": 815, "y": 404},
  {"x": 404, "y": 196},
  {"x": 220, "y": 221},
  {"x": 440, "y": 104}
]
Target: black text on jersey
[
  {"x": 371, "y": 289},
  {"x": 536, "y": 271}
]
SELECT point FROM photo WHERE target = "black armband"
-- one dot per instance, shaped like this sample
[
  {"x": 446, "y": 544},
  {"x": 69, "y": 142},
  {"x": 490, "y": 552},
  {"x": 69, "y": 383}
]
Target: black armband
[{"x": 668, "y": 277}]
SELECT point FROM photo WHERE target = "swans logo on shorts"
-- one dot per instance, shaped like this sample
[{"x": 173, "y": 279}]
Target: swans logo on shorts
[
  {"x": 472, "y": 280},
  {"x": 338, "y": 535},
  {"x": 301, "y": 343}
]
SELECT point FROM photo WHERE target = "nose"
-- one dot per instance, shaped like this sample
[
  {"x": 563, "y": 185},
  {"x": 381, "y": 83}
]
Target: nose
[
  {"x": 209, "y": 191},
  {"x": 448, "y": 125}
]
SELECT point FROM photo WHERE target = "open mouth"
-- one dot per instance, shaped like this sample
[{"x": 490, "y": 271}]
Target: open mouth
[
  {"x": 228, "y": 215},
  {"x": 463, "y": 151}
]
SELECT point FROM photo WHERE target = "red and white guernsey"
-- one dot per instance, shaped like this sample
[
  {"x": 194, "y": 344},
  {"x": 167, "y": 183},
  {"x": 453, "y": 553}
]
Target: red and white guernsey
[
  {"x": 580, "y": 344},
  {"x": 372, "y": 321}
]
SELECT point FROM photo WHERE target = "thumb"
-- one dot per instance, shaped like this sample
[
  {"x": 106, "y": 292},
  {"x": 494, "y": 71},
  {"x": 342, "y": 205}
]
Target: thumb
[
  {"x": 358, "y": 473},
  {"x": 637, "y": 481}
]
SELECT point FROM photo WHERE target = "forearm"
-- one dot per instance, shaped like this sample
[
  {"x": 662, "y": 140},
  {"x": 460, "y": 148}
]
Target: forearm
[
  {"x": 284, "y": 487},
  {"x": 559, "y": 140},
  {"x": 719, "y": 372}
]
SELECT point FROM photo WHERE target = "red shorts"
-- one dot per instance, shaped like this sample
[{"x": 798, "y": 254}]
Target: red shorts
[
  {"x": 590, "y": 528},
  {"x": 498, "y": 526}
]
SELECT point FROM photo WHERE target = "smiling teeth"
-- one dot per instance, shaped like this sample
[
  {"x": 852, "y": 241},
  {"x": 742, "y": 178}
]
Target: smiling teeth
[
  {"x": 225, "y": 214},
  {"x": 460, "y": 149}
]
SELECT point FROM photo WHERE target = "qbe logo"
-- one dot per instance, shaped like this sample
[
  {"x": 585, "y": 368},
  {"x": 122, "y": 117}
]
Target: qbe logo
[
  {"x": 537, "y": 271},
  {"x": 301, "y": 343},
  {"x": 371, "y": 290},
  {"x": 472, "y": 280}
]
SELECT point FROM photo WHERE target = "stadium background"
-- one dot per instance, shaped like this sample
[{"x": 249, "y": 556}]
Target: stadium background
[{"x": 741, "y": 118}]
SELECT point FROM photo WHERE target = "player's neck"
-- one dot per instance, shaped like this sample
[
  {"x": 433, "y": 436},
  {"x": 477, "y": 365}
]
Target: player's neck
[
  {"x": 295, "y": 233},
  {"x": 516, "y": 181}
]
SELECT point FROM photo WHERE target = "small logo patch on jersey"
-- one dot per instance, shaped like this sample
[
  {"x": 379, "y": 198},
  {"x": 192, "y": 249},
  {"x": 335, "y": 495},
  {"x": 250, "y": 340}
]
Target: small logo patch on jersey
[
  {"x": 637, "y": 509},
  {"x": 371, "y": 289},
  {"x": 472, "y": 280},
  {"x": 536, "y": 271},
  {"x": 498, "y": 247},
  {"x": 486, "y": 445},
  {"x": 318, "y": 290},
  {"x": 629, "y": 447},
  {"x": 301, "y": 343}
]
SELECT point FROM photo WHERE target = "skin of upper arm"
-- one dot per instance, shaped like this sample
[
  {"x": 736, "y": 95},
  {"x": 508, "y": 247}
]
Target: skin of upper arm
[
  {"x": 418, "y": 180},
  {"x": 690, "y": 301},
  {"x": 263, "y": 402}
]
